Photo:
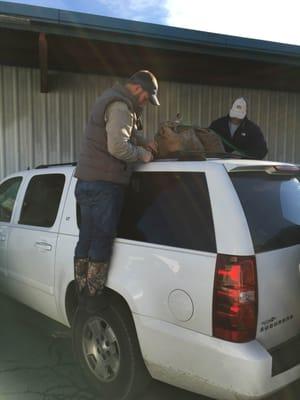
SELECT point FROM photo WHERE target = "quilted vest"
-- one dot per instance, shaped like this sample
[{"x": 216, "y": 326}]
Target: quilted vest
[{"x": 95, "y": 162}]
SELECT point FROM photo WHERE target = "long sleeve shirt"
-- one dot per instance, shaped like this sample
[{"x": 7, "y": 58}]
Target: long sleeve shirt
[{"x": 121, "y": 138}]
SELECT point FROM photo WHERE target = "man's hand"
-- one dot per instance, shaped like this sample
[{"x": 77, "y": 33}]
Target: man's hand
[
  {"x": 152, "y": 147},
  {"x": 147, "y": 156}
]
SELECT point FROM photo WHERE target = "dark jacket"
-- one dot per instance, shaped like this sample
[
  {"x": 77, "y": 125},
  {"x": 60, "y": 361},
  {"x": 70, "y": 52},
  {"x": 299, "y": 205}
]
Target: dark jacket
[
  {"x": 248, "y": 138},
  {"x": 95, "y": 162}
]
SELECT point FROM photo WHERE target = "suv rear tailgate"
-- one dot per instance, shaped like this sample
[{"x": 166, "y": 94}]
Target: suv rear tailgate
[
  {"x": 278, "y": 296},
  {"x": 271, "y": 202}
]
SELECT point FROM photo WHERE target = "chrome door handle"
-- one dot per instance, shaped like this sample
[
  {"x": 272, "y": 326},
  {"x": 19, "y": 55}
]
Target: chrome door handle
[
  {"x": 43, "y": 246},
  {"x": 2, "y": 238}
]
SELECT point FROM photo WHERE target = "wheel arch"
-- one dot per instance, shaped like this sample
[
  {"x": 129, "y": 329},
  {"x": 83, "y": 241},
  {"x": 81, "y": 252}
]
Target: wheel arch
[{"x": 113, "y": 296}]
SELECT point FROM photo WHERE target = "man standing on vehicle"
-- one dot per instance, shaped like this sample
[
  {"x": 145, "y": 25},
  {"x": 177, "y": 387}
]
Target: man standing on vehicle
[
  {"x": 109, "y": 147},
  {"x": 239, "y": 134}
]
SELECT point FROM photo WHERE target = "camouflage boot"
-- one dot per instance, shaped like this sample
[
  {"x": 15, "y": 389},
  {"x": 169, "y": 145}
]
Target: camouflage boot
[
  {"x": 80, "y": 274},
  {"x": 96, "y": 279}
]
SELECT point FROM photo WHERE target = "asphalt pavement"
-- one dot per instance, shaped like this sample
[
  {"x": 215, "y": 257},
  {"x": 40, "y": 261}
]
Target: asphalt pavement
[{"x": 36, "y": 362}]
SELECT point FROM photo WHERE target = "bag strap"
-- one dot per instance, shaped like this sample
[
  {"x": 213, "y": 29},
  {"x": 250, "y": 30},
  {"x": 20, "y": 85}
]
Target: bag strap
[{"x": 232, "y": 146}]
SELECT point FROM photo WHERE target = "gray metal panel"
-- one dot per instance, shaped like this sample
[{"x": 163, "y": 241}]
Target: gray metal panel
[{"x": 38, "y": 128}]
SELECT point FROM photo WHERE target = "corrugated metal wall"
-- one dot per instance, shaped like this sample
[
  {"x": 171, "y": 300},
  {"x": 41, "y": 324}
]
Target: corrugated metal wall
[{"x": 38, "y": 128}]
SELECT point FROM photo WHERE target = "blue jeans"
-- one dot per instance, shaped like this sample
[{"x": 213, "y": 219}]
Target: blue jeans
[{"x": 100, "y": 207}]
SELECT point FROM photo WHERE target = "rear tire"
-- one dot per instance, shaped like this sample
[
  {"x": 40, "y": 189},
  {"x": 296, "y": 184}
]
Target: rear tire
[{"x": 106, "y": 347}]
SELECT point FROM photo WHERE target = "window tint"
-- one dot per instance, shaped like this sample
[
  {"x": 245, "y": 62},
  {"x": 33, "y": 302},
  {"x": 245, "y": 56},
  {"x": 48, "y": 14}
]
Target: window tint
[
  {"x": 272, "y": 208},
  {"x": 170, "y": 209},
  {"x": 8, "y": 193},
  {"x": 42, "y": 200}
]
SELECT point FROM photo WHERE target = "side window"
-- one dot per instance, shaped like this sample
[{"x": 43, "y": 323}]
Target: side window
[
  {"x": 170, "y": 209},
  {"x": 41, "y": 201},
  {"x": 8, "y": 193}
]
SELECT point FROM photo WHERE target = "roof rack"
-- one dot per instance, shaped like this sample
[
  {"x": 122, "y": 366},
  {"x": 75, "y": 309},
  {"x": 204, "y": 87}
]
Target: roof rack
[
  {"x": 73, "y": 163},
  {"x": 182, "y": 156},
  {"x": 227, "y": 155},
  {"x": 197, "y": 156},
  {"x": 174, "y": 156}
]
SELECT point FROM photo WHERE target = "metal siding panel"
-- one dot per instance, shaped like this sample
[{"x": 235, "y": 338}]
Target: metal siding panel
[
  {"x": 25, "y": 118},
  {"x": 207, "y": 106},
  {"x": 39, "y": 121},
  {"x": 65, "y": 128},
  {"x": 2, "y": 125},
  {"x": 296, "y": 157},
  {"x": 290, "y": 123},
  {"x": 37, "y": 128},
  {"x": 282, "y": 128},
  {"x": 11, "y": 118},
  {"x": 52, "y": 132}
]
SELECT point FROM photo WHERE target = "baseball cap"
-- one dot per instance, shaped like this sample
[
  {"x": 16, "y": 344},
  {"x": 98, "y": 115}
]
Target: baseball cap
[
  {"x": 148, "y": 82},
  {"x": 238, "y": 109}
]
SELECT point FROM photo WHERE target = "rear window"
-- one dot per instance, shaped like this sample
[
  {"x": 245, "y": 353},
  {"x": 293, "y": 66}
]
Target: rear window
[
  {"x": 272, "y": 208},
  {"x": 169, "y": 208}
]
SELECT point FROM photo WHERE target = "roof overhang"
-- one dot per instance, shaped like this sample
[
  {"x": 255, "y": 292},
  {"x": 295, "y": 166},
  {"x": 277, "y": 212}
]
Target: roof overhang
[{"x": 86, "y": 43}]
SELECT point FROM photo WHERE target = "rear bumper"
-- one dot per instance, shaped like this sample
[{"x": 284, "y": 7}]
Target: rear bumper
[
  {"x": 206, "y": 365},
  {"x": 285, "y": 356}
]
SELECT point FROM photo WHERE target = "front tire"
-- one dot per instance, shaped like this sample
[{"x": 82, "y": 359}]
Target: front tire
[{"x": 106, "y": 347}]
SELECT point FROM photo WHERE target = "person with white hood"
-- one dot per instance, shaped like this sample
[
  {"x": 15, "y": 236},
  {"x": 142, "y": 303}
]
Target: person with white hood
[{"x": 239, "y": 134}]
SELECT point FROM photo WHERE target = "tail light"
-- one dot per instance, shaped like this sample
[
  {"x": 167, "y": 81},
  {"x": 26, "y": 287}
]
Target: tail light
[{"x": 235, "y": 298}]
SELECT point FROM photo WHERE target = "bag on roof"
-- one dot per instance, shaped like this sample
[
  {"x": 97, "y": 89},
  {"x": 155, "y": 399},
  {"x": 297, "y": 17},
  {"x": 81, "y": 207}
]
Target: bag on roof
[{"x": 174, "y": 137}]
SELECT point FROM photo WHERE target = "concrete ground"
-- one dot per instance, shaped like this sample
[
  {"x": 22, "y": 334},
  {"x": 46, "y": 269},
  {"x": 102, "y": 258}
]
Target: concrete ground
[{"x": 36, "y": 362}]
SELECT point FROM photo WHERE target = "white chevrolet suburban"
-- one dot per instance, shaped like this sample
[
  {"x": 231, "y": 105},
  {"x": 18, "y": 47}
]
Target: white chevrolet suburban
[{"x": 204, "y": 285}]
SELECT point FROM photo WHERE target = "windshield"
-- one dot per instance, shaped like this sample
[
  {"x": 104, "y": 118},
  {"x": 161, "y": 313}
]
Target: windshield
[{"x": 272, "y": 207}]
